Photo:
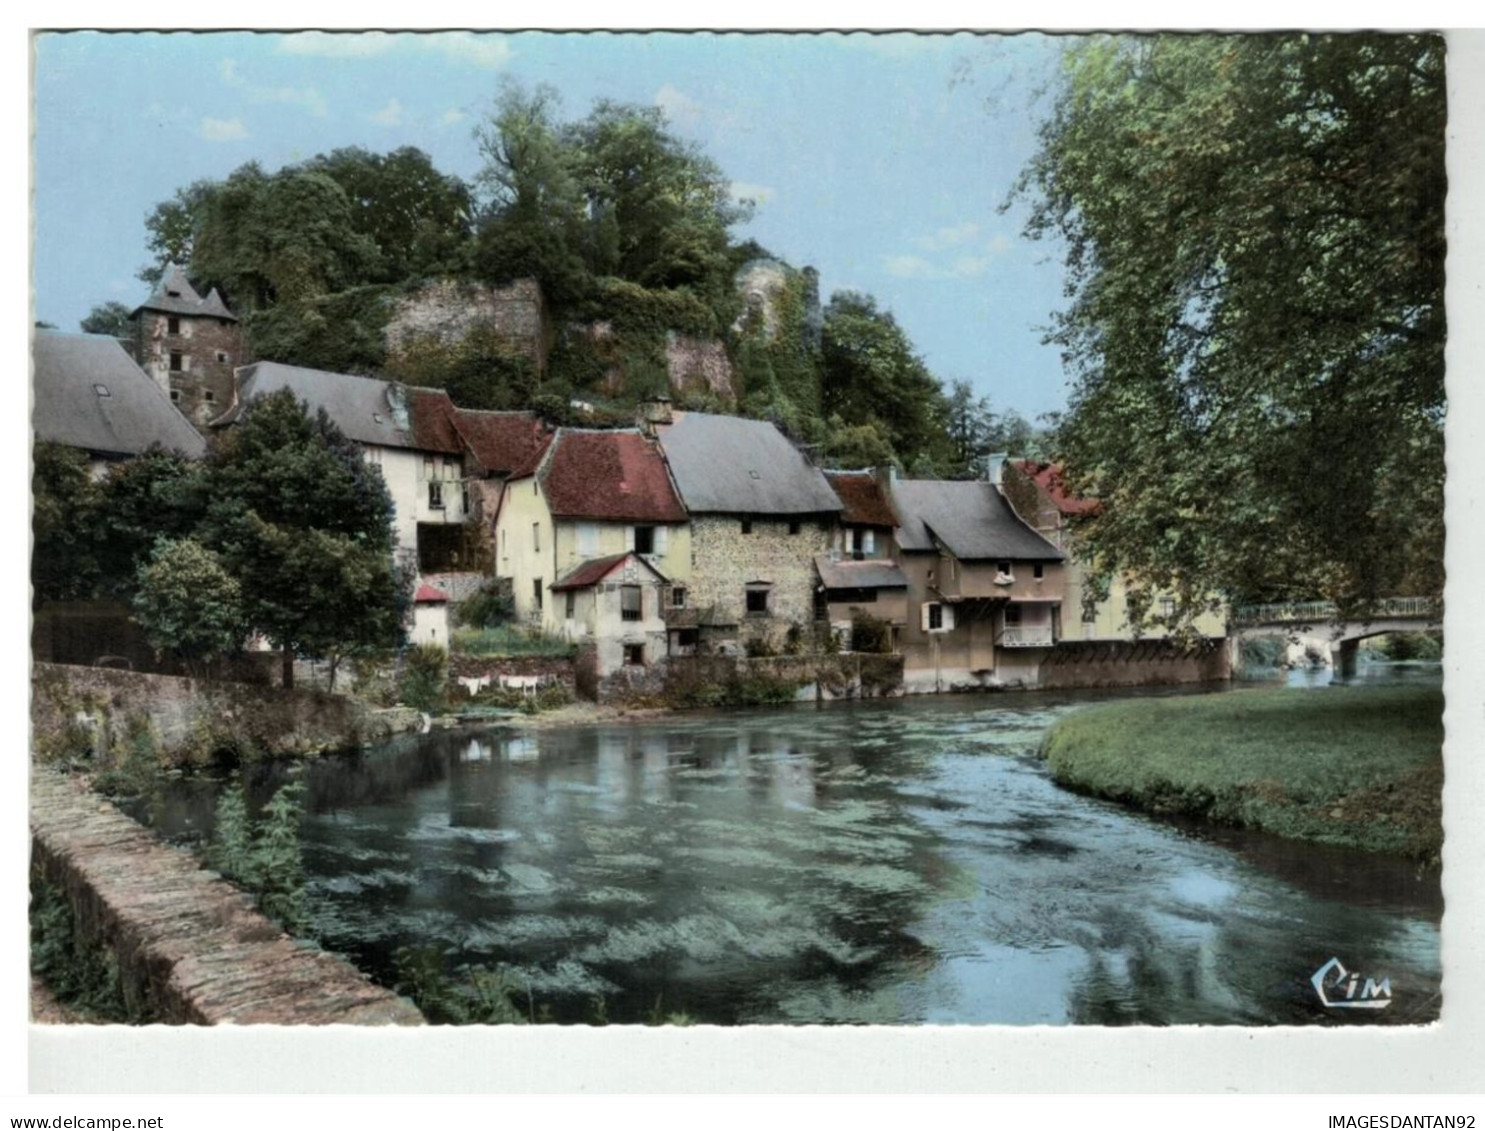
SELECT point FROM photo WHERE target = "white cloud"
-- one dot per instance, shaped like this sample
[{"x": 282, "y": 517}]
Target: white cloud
[
  {"x": 946, "y": 238},
  {"x": 761, "y": 194},
  {"x": 680, "y": 109},
  {"x": 220, "y": 129},
  {"x": 489, "y": 51},
  {"x": 308, "y": 96},
  {"x": 452, "y": 117},
  {"x": 338, "y": 45},
  {"x": 970, "y": 266},
  {"x": 911, "y": 267},
  {"x": 389, "y": 115}
]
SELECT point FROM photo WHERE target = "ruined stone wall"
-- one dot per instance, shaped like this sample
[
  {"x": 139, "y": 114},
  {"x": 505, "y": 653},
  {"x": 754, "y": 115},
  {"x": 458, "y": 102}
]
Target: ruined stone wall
[
  {"x": 697, "y": 364},
  {"x": 112, "y": 715},
  {"x": 207, "y": 351},
  {"x": 724, "y": 561},
  {"x": 190, "y": 948},
  {"x": 449, "y": 309}
]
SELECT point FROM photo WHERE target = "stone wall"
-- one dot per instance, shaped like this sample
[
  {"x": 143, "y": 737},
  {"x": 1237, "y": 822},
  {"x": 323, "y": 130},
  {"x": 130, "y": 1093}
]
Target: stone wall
[
  {"x": 114, "y": 715},
  {"x": 699, "y": 363},
  {"x": 1116, "y": 663},
  {"x": 725, "y": 561},
  {"x": 449, "y": 309},
  {"x": 190, "y": 948},
  {"x": 850, "y": 675}
]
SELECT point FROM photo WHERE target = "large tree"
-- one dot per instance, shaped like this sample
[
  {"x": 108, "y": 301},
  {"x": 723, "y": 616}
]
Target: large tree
[
  {"x": 305, "y": 525},
  {"x": 1255, "y": 251}
]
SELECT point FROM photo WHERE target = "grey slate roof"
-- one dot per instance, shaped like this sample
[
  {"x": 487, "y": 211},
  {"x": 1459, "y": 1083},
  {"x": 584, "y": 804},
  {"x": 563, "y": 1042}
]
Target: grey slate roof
[
  {"x": 175, "y": 295},
  {"x": 367, "y": 410},
  {"x": 731, "y": 465},
  {"x": 875, "y": 573},
  {"x": 970, "y": 517},
  {"x": 134, "y": 414}
]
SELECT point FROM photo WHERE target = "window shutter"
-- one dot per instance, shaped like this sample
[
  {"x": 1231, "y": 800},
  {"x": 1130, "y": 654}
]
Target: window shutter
[
  {"x": 869, "y": 546},
  {"x": 948, "y": 618},
  {"x": 629, "y": 538},
  {"x": 923, "y": 615},
  {"x": 662, "y": 539}
]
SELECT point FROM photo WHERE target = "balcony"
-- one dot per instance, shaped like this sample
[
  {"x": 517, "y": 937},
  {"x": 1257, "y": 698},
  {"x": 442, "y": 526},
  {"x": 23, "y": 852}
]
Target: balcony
[{"x": 1025, "y": 636}]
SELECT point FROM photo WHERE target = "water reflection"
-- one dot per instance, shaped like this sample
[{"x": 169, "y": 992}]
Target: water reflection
[{"x": 870, "y": 863}]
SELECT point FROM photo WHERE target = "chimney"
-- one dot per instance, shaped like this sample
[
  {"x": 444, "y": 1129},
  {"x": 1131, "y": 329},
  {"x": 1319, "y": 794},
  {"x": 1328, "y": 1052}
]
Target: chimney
[
  {"x": 654, "y": 412},
  {"x": 995, "y": 466}
]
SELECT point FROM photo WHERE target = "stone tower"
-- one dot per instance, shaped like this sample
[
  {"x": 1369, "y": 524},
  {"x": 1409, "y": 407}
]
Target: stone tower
[{"x": 189, "y": 346}]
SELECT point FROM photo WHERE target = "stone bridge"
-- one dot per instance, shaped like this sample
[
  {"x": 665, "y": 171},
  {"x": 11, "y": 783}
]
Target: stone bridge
[{"x": 1323, "y": 619}]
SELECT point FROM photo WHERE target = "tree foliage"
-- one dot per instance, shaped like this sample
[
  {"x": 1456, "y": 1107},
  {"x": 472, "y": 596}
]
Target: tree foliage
[
  {"x": 111, "y": 318},
  {"x": 188, "y": 604},
  {"x": 64, "y": 502},
  {"x": 1255, "y": 248}
]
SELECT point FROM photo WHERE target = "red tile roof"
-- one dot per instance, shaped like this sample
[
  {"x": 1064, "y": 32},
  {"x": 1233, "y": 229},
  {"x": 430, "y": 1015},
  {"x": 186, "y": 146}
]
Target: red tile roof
[
  {"x": 431, "y": 415},
  {"x": 592, "y": 572},
  {"x": 428, "y": 595},
  {"x": 618, "y": 476},
  {"x": 865, "y": 502},
  {"x": 1048, "y": 476},
  {"x": 507, "y": 444}
]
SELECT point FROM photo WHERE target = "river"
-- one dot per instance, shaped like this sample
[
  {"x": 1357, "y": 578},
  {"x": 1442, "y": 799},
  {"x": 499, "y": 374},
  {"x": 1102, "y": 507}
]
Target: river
[{"x": 886, "y": 862}]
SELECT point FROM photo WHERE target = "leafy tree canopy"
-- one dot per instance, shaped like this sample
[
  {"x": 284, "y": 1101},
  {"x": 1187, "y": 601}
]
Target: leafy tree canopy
[
  {"x": 188, "y": 604},
  {"x": 111, "y": 318},
  {"x": 1255, "y": 250}
]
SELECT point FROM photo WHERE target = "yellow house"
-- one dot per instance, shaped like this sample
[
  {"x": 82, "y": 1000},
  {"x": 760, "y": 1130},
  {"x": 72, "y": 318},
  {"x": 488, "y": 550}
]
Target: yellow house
[
  {"x": 595, "y": 496},
  {"x": 1041, "y": 497}
]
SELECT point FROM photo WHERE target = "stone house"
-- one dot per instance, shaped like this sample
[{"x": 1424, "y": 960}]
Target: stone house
[
  {"x": 189, "y": 346},
  {"x": 90, "y": 395},
  {"x": 761, "y": 514},
  {"x": 430, "y": 617},
  {"x": 1040, "y": 495},
  {"x": 858, "y": 574},
  {"x": 617, "y": 603},
  {"x": 594, "y": 496},
  {"x": 408, "y": 433},
  {"x": 985, "y": 590}
]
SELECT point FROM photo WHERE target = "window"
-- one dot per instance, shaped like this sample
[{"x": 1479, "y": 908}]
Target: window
[
  {"x": 174, "y": 395},
  {"x": 1012, "y": 616},
  {"x": 172, "y": 325},
  {"x": 644, "y": 539},
  {"x": 862, "y": 543},
  {"x": 678, "y": 597},
  {"x": 634, "y": 655},
  {"x": 631, "y": 602},
  {"x": 208, "y": 396},
  {"x": 536, "y": 537},
  {"x": 1167, "y": 606},
  {"x": 427, "y": 467},
  {"x": 757, "y": 598},
  {"x": 587, "y": 539},
  {"x": 935, "y": 617},
  {"x": 794, "y": 527},
  {"x": 435, "y": 495},
  {"x": 571, "y": 604},
  {"x": 1036, "y": 571},
  {"x": 504, "y": 543},
  {"x": 1003, "y": 568},
  {"x": 747, "y": 526},
  {"x": 464, "y": 498},
  {"x": 222, "y": 356},
  {"x": 177, "y": 362},
  {"x": 536, "y": 591}
]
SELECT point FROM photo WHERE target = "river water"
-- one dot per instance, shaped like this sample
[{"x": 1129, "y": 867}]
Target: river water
[{"x": 890, "y": 862}]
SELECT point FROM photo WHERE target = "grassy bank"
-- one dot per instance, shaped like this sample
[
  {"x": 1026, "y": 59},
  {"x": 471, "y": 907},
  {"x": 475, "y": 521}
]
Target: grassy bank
[{"x": 1357, "y": 768}]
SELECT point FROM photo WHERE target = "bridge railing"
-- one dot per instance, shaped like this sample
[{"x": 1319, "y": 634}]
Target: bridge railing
[{"x": 1309, "y": 612}]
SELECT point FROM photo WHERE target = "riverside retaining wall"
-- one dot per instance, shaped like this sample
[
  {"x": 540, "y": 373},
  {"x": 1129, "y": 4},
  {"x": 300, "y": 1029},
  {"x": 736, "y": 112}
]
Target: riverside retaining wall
[
  {"x": 190, "y": 947},
  {"x": 1133, "y": 663},
  {"x": 105, "y": 712}
]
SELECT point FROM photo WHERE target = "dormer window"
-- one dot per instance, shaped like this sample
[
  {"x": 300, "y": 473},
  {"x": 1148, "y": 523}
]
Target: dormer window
[
  {"x": 1003, "y": 574},
  {"x": 102, "y": 390}
]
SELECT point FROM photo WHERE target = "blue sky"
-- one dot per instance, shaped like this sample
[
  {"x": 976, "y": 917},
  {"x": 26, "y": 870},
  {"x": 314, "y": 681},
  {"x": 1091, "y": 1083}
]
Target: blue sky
[{"x": 881, "y": 160}]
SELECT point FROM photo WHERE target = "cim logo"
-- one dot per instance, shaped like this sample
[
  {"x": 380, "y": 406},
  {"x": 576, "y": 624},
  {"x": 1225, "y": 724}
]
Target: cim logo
[{"x": 1340, "y": 989}]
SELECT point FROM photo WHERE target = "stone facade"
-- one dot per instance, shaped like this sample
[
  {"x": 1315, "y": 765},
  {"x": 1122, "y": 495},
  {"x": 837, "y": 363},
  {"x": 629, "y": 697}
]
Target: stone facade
[
  {"x": 726, "y": 562},
  {"x": 449, "y": 309},
  {"x": 191, "y": 358},
  {"x": 697, "y": 363}
]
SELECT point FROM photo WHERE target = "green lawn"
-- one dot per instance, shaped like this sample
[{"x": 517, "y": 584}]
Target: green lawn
[{"x": 1356, "y": 767}]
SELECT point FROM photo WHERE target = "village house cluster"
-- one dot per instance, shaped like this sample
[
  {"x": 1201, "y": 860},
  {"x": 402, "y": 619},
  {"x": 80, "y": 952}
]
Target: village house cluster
[{"x": 689, "y": 533}]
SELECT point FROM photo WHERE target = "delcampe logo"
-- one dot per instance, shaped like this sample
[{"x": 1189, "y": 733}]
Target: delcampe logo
[{"x": 1338, "y": 988}]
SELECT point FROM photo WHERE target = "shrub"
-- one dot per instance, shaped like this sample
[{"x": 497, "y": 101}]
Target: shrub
[
  {"x": 869, "y": 633},
  {"x": 263, "y": 856},
  {"x": 1412, "y": 646},
  {"x": 493, "y": 604},
  {"x": 425, "y": 670}
]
